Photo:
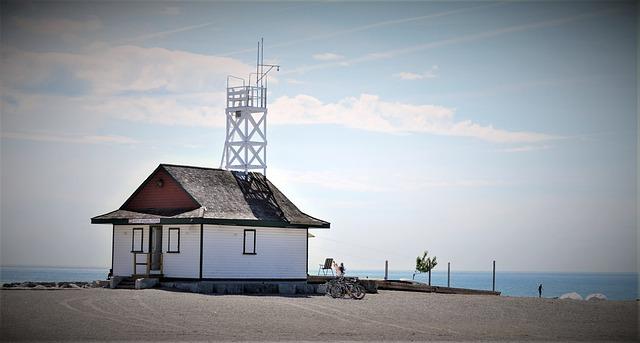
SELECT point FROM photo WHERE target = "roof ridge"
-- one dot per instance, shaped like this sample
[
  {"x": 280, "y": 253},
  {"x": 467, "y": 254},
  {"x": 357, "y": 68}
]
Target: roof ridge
[{"x": 192, "y": 167}]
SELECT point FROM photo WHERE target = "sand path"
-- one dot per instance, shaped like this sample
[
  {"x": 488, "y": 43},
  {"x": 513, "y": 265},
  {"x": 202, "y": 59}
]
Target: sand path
[{"x": 103, "y": 314}]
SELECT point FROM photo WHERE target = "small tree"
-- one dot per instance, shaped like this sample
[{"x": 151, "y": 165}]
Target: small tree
[{"x": 425, "y": 264}]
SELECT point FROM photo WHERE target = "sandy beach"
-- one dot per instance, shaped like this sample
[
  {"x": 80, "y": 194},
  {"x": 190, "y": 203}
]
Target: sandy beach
[{"x": 104, "y": 314}]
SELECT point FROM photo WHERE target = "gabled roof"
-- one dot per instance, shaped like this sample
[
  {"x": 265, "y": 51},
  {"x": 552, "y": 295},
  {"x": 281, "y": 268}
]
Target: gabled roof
[{"x": 223, "y": 197}]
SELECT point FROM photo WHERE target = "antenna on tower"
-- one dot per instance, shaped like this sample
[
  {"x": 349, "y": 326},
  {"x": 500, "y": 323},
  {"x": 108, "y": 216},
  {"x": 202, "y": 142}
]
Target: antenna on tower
[{"x": 245, "y": 146}]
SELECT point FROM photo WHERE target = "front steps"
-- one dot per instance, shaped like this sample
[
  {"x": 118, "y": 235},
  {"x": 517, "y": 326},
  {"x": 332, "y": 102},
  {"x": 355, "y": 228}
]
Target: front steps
[
  {"x": 135, "y": 282},
  {"x": 126, "y": 283}
]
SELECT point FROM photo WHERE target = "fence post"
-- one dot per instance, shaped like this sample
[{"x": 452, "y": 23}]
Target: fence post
[
  {"x": 386, "y": 269},
  {"x": 448, "y": 274},
  {"x": 494, "y": 276}
]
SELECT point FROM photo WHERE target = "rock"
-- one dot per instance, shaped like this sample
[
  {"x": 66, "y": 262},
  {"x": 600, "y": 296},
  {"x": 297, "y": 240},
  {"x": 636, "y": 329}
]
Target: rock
[
  {"x": 596, "y": 297},
  {"x": 572, "y": 296},
  {"x": 40, "y": 287},
  {"x": 72, "y": 285},
  {"x": 100, "y": 283}
]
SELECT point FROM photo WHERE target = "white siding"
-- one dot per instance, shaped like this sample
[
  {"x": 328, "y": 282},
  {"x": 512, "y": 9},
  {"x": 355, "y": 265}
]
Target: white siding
[
  {"x": 186, "y": 263},
  {"x": 280, "y": 253},
  {"x": 122, "y": 256}
]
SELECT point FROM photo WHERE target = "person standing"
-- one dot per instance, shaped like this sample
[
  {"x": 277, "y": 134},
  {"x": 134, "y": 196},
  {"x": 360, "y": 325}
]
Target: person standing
[
  {"x": 540, "y": 291},
  {"x": 335, "y": 267}
]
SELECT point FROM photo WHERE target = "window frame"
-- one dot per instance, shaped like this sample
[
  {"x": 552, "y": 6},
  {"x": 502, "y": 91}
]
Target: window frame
[
  {"x": 169, "y": 251},
  {"x": 133, "y": 239},
  {"x": 244, "y": 242}
]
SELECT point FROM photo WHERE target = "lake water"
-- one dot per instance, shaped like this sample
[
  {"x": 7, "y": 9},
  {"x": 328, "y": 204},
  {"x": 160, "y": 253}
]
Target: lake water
[
  {"x": 20, "y": 274},
  {"x": 616, "y": 286}
]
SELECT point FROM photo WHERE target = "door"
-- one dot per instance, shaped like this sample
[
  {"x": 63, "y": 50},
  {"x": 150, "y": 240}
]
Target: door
[{"x": 155, "y": 248}]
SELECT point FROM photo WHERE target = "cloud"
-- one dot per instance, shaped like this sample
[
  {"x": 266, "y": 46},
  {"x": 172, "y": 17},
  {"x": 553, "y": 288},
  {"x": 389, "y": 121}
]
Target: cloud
[
  {"x": 525, "y": 148},
  {"x": 294, "y": 82},
  {"x": 168, "y": 87},
  {"x": 122, "y": 69},
  {"x": 150, "y": 85},
  {"x": 327, "y": 56},
  {"x": 66, "y": 138},
  {"x": 171, "y": 10},
  {"x": 429, "y": 74},
  {"x": 57, "y": 27},
  {"x": 370, "y": 181},
  {"x": 366, "y": 27},
  {"x": 200, "y": 109},
  {"x": 165, "y": 33},
  {"x": 472, "y": 37},
  {"x": 369, "y": 112},
  {"x": 326, "y": 179}
]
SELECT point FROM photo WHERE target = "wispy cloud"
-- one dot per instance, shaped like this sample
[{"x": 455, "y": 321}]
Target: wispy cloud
[
  {"x": 501, "y": 89},
  {"x": 367, "y": 27},
  {"x": 429, "y": 74},
  {"x": 294, "y": 82},
  {"x": 327, "y": 56},
  {"x": 66, "y": 138},
  {"x": 67, "y": 30},
  {"x": 57, "y": 26},
  {"x": 165, "y": 33},
  {"x": 369, "y": 112},
  {"x": 122, "y": 70},
  {"x": 525, "y": 148},
  {"x": 387, "y": 54},
  {"x": 328, "y": 180},
  {"x": 151, "y": 85},
  {"x": 370, "y": 181},
  {"x": 171, "y": 10},
  {"x": 134, "y": 83}
]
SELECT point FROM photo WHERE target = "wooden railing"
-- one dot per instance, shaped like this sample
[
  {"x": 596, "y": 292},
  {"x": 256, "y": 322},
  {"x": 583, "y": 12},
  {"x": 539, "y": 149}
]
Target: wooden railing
[{"x": 146, "y": 263}]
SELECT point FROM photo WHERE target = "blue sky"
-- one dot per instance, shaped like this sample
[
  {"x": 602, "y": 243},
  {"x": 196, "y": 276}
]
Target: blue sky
[{"x": 476, "y": 130}]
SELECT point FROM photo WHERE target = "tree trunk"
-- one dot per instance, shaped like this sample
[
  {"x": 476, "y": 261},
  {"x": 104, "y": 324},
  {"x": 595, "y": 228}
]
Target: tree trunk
[{"x": 429, "y": 277}]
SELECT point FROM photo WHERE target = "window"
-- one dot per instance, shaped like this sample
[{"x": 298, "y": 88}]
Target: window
[
  {"x": 174, "y": 240},
  {"x": 136, "y": 240},
  {"x": 249, "y": 242}
]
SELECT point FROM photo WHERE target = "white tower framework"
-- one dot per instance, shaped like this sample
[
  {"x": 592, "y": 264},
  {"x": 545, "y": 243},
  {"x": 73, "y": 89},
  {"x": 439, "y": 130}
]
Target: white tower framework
[{"x": 245, "y": 146}]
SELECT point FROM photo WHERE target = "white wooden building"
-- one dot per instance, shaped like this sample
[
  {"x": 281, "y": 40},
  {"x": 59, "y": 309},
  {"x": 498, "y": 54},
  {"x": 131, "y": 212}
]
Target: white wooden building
[{"x": 209, "y": 224}]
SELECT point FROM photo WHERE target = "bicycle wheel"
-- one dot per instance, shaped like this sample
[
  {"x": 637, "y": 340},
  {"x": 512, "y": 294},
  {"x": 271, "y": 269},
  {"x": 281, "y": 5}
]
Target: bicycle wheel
[
  {"x": 328, "y": 289},
  {"x": 357, "y": 292},
  {"x": 336, "y": 291}
]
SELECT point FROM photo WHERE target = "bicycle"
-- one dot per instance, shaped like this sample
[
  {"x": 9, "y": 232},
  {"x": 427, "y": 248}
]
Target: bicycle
[{"x": 341, "y": 287}]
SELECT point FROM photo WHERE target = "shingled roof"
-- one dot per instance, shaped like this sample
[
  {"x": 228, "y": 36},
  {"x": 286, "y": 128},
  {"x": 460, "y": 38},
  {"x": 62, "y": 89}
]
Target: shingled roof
[{"x": 223, "y": 197}]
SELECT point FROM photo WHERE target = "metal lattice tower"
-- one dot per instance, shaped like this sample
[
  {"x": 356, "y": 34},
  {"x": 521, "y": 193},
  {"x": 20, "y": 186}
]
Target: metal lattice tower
[{"x": 245, "y": 146}]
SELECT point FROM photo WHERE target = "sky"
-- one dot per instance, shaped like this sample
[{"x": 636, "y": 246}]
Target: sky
[{"x": 478, "y": 131}]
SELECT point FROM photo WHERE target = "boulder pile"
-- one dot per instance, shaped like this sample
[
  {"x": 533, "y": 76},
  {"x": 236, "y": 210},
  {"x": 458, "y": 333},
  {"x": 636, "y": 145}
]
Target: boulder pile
[{"x": 56, "y": 285}]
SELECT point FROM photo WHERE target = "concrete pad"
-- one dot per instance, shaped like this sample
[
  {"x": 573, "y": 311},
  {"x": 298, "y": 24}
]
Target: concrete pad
[
  {"x": 286, "y": 288},
  {"x": 205, "y": 287},
  {"x": 143, "y": 283},
  {"x": 113, "y": 283}
]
